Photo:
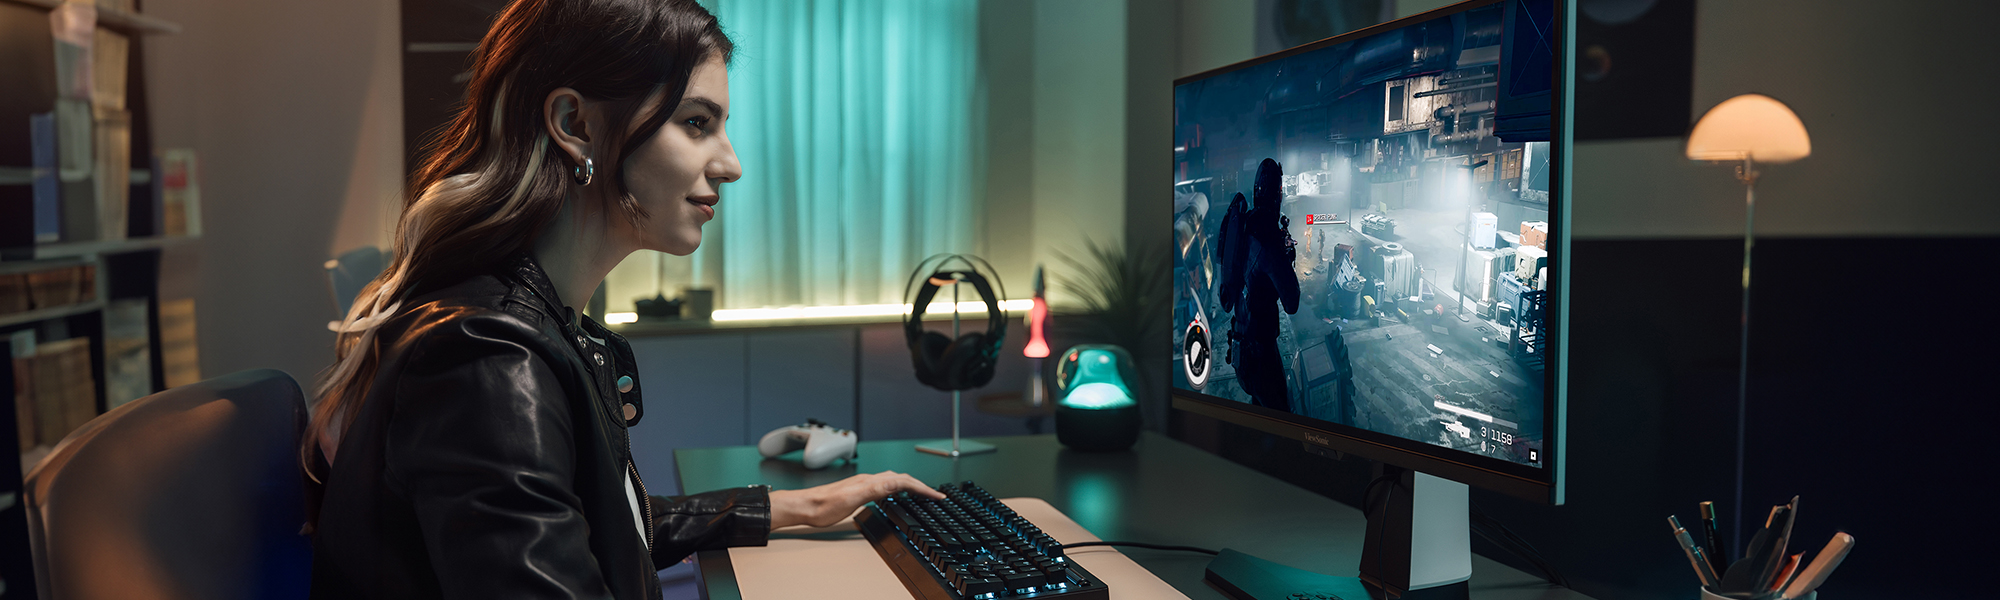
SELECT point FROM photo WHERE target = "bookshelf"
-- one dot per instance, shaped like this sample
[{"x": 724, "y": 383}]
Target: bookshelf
[{"x": 83, "y": 224}]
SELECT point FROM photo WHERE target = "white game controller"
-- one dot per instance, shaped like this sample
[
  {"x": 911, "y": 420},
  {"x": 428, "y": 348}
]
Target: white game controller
[{"x": 823, "y": 443}]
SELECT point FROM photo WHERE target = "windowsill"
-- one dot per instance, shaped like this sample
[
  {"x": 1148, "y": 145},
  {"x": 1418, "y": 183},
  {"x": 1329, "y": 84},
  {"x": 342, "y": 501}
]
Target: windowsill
[{"x": 1015, "y": 309}]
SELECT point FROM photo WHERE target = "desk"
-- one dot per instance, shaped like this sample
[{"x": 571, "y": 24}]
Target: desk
[{"x": 1162, "y": 491}]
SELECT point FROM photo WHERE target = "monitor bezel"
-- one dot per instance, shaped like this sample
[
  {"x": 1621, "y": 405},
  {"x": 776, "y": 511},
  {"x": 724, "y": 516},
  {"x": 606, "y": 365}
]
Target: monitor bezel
[{"x": 1546, "y": 484}]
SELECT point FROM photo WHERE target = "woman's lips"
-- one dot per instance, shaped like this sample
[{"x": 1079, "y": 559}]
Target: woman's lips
[{"x": 707, "y": 208}]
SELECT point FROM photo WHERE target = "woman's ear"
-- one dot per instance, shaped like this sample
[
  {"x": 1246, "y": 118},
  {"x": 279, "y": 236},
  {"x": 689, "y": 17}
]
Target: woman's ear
[{"x": 563, "y": 115}]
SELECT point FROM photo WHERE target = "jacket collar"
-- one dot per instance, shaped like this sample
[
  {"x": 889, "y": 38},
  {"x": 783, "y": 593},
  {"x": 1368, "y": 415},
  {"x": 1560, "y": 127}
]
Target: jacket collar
[{"x": 530, "y": 274}]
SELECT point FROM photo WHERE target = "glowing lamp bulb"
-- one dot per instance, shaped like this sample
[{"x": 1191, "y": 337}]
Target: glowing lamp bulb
[{"x": 1038, "y": 317}]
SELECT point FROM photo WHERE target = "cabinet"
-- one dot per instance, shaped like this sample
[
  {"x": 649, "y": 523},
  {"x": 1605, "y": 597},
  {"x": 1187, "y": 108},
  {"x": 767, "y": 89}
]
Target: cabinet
[{"x": 729, "y": 387}]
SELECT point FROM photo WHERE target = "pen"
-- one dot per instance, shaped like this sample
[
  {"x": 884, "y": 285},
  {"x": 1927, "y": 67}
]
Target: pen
[
  {"x": 1785, "y": 574},
  {"x": 1702, "y": 570},
  {"x": 1707, "y": 574},
  {"x": 1718, "y": 557},
  {"x": 1822, "y": 565}
]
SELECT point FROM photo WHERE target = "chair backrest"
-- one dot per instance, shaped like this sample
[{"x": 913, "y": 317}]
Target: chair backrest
[
  {"x": 351, "y": 271},
  {"x": 194, "y": 492}
]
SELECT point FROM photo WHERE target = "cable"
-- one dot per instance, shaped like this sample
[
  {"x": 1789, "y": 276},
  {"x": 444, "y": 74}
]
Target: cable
[
  {"x": 1143, "y": 545},
  {"x": 1491, "y": 529}
]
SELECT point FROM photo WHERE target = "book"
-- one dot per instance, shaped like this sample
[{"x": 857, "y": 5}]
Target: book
[
  {"x": 86, "y": 282},
  {"x": 79, "y": 384},
  {"x": 74, "y": 25},
  {"x": 22, "y": 349},
  {"x": 180, "y": 192},
  {"x": 113, "y": 172},
  {"x": 61, "y": 286},
  {"x": 65, "y": 394},
  {"x": 109, "y": 52},
  {"x": 128, "y": 357},
  {"x": 75, "y": 161},
  {"x": 14, "y": 295},
  {"x": 47, "y": 205},
  {"x": 178, "y": 355},
  {"x": 49, "y": 288}
]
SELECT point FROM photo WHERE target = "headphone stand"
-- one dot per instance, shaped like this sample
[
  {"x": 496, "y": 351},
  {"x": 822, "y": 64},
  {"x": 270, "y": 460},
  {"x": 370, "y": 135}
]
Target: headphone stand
[{"x": 957, "y": 447}]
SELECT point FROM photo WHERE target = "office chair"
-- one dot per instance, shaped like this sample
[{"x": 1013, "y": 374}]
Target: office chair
[
  {"x": 351, "y": 271},
  {"x": 194, "y": 492}
]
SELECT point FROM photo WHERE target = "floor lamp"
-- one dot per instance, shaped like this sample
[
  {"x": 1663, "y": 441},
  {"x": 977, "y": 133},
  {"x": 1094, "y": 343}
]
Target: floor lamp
[{"x": 1747, "y": 132}]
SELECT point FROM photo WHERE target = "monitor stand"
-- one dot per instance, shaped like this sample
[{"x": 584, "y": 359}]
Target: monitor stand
[{"x": 1419, "y": 547}]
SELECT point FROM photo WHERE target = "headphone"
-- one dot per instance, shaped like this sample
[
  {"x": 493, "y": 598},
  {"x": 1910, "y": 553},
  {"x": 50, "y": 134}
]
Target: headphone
[{"x": 942, "y": 362}]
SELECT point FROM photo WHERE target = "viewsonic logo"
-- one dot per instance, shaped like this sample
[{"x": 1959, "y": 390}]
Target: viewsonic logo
[{"x": 1318, "y": 439}]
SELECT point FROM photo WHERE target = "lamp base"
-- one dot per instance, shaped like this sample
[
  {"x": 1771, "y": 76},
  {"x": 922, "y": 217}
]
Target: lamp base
[
  {"x": 1097, "y": 430},
  {"x": 965, "y": 447}
]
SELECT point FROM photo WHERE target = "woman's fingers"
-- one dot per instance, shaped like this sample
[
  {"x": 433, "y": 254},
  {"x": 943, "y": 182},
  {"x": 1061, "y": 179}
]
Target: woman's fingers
[{"x": 894, "y": 482}]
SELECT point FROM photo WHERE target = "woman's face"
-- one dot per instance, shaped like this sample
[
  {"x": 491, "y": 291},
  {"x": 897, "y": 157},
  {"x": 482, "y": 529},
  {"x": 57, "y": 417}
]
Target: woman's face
[{"x": 677, "y": 175}]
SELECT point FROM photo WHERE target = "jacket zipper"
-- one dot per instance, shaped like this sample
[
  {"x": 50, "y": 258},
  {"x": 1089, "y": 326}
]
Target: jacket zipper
[
  {"x": 646, "y": 501},
  {"x": 631, "y": 467}
]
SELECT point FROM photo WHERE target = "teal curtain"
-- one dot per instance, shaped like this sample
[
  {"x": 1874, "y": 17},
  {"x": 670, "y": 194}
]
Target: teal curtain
[{"x": 860, "y": 127}]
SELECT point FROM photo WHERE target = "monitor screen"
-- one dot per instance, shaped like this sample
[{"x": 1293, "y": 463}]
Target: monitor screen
[{"x": 1366, "y": 232}]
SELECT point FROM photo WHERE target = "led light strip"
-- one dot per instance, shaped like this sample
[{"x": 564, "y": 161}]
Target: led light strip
[{"x": 837, "y": 312}]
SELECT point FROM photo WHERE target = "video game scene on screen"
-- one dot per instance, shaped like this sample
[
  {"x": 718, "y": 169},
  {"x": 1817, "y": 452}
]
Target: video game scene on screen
[{"x": 1362, "y": 236}]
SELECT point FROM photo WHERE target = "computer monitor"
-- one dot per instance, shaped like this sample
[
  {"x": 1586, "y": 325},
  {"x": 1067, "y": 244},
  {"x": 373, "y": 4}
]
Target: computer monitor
[{"x": 1371, "y": 257}]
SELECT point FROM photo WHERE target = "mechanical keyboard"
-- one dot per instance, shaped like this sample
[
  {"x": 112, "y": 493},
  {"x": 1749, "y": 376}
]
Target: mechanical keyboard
[{"x": 969, "y": 546}]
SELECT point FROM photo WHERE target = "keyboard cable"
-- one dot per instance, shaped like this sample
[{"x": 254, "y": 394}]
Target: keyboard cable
[{"x": 1142, "y": 545}]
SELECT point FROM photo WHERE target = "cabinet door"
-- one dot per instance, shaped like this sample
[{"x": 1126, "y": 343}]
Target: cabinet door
[
  {"x": 796, "y": 375},
  {"x": 695, "y": 398},
  {"x": 895, "y": 406}
]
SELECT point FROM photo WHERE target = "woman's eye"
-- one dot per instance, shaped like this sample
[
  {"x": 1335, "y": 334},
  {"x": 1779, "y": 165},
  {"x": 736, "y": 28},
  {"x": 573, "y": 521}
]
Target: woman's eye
[{"x": 699, "y": 123}]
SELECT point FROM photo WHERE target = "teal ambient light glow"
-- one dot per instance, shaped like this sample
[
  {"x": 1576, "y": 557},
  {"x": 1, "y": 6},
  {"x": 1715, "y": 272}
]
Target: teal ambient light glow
[
  {"x": 1096, "y": 396},
  {"x": 1096, "y": 384}
]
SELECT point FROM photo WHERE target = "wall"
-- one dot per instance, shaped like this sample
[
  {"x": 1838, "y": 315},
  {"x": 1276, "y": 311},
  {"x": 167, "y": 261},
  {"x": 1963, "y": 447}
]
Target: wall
[
  {"x": 1879, "y": 168},
  {"x": 294, "y": 109}
]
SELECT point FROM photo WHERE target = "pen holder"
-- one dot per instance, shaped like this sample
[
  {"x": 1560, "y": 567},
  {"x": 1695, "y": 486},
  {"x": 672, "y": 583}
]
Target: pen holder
[{"x": 1709, "y": 594}]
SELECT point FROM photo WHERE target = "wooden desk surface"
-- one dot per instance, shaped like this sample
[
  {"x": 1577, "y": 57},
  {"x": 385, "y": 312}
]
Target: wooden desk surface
[{"x": 1162, "y": 492}]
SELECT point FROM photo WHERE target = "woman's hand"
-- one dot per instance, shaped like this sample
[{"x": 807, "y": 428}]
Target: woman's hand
[{"x": 828, "y": 504}]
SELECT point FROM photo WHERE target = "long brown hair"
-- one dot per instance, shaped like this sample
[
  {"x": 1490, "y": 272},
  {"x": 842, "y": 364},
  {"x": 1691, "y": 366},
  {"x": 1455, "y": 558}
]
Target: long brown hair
[{"x": 490, "y": 181}]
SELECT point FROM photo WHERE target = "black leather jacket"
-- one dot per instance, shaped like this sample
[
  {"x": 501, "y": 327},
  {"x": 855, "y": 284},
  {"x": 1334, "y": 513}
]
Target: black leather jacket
[{"x": 489, "y": 461}]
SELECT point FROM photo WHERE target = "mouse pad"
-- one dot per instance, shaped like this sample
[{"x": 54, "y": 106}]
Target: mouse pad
[{"x": 836, "y": 562}]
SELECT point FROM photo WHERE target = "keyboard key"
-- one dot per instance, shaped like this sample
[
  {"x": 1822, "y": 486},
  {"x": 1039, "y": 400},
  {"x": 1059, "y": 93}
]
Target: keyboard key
[
  {"x": 974, "y": 587},
  {"x": 1022, "y": 580}
]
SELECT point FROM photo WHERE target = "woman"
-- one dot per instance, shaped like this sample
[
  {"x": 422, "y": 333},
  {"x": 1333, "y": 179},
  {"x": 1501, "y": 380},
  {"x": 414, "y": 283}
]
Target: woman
[{"x": 471, "y": 441}]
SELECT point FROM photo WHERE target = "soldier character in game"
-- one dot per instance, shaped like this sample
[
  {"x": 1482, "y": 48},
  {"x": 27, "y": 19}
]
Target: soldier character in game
[{"x": 1256, "y": 251}]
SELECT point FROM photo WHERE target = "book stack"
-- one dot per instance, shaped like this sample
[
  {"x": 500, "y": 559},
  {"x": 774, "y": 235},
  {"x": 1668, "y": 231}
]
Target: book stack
[
  {"x": 81, "y": 158},
  {"x": 53, "y": 392},
  {"x": 22, "y": 346},
  {"x": 47, "y": 288},
  {"x": 179, "y": 355},
  {"x": 128, "y": 357},
  {"x": 14, "y": 296},
  {"x": 179, "y": 192}
]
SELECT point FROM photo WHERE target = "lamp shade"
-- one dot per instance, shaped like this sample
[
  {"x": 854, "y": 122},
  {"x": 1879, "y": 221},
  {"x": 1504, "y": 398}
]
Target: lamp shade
[
  {"x": 1095, "y": 408},
  {"x": 1750, "y": 126}
]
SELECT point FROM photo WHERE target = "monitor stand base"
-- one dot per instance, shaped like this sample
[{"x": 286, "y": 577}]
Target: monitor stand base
[
  {"x": 1247, "y": 577},
  {"x": 1419, "y": 536}
]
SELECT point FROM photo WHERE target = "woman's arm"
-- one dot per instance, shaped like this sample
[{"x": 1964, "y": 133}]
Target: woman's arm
[
  {"x": 481, "y": 444},
  {"x": 828, "y": 504},
  {"x": 746, "y": 516},
  {"x": 714, "y": 520}
]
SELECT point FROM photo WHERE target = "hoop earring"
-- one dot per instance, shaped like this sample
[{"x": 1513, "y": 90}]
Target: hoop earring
[{"x": 584, "y": 172}]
